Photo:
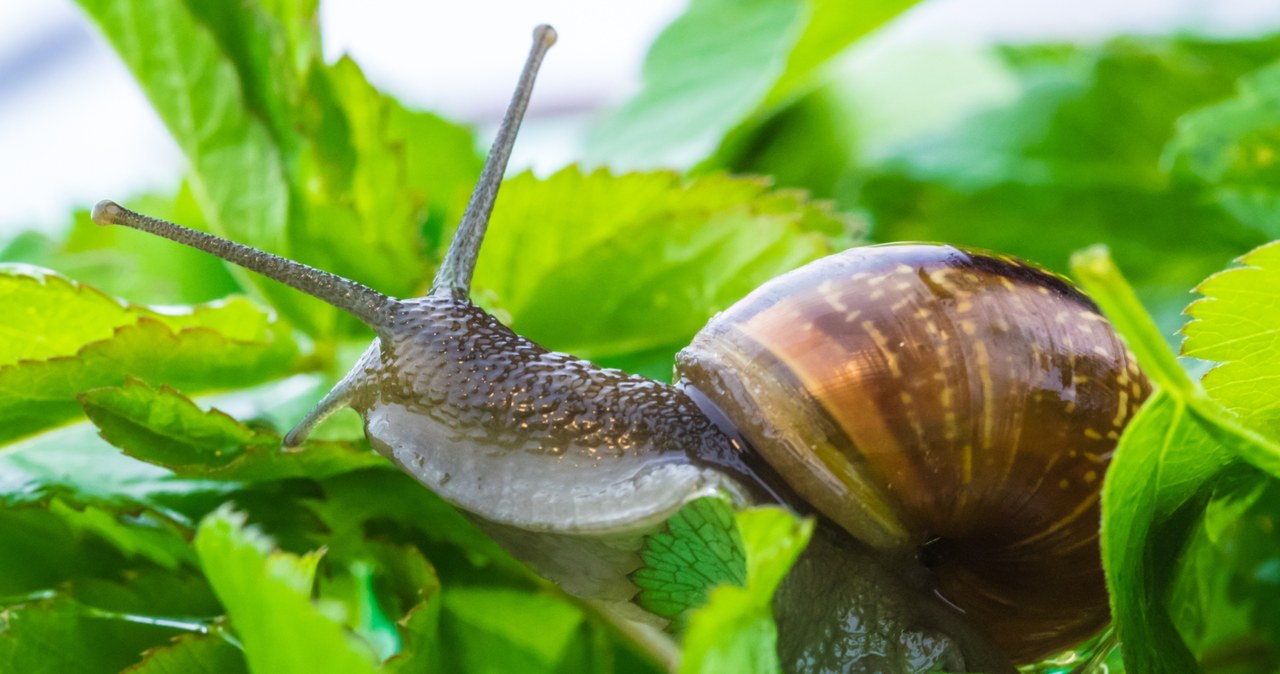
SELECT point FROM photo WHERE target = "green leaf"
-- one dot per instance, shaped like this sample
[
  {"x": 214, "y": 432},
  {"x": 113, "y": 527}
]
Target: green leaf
[
  {"x": 290, "y": 154},
  {"x": 698, "y": 549},
  {"x": 701, "y": 79},
  {"x": 773, "y": 539},
  {"x": 104, "y": 625},
  {"x": 151, "y": 596},
  {"x": 1232, "y": 147},
  {"x": 350, "y": 585},
  {"x": 503, "y": 630},
  {"x": 421, "y": 631},
  {"x": 354, "y": 503},
  {"x": 168, "y": 429},
  {"x": 415, "y": 604},
  {"x": 270, "y": 45},
  {"x": 267, "y": 595},
  {"x": 76, "y": 465},
  {"x": 46, "y": 315},
  {"x": 652, "y": 255},
  {"x": 100, "y": 628},
  {"x": 735, "y": 631},
  {"x": 734, "y": 634},
  {"x": 1228, "y": 586},
  {"x": 1234, "y": 325},
  {"x": 237, "y": 173},
  {"x": 1102, "y": 279},
  {"x": 57, "y": 636},
  {"x": 362, "y": 510},
  {"x": 1054, "y": 122},
  {"x": 144, "y": 534},
  {"x": 723, "y": 65},
  {"x": 411, "y": 174},
  {"x": 66, "y": 338},
  {"x": 368, "y": 176},
  {"x": 1163, "y": 465},
  {"x": 1179, "y": 445},
  {"x": 830, "y": 26},
  {"x": 1225, "y": 582},
  {"x": 40, "y": 553},
  {"x": 192, "y": 654}
]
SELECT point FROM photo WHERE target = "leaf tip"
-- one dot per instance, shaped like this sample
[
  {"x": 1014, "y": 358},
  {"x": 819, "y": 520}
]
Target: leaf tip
[{"x": 1093, "y": 262}]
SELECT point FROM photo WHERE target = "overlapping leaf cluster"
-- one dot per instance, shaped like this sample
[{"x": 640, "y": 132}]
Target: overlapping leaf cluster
[
  {"x": 172, "y": 535},
  {"x": 1190, "y": 497}
]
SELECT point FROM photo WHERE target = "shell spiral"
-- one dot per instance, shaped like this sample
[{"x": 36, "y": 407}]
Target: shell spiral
[{"x": 942, "y": 401}]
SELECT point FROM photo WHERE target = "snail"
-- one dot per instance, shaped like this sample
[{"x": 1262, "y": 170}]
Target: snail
[{"x": 946, "y": 414}]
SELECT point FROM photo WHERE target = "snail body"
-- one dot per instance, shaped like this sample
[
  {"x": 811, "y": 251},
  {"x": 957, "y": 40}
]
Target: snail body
[{"x": 946, "y": 414}]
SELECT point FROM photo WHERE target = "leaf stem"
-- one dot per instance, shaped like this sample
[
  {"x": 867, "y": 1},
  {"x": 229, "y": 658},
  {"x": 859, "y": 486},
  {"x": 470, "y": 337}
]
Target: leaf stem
[
  {"x": 1096, "y": 662},
  {"x": 185, "y": 624},
  {"x": 1098, "y": 273},
  {"x": 38, "y": 595}
]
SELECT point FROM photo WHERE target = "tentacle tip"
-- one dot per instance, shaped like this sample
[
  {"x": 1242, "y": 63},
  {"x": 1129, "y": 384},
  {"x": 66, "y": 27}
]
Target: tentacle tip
[
  {"x": 106, "y": 212},
  {"x": 292, "y": 440},
  {"x": 545, "y": 35}
]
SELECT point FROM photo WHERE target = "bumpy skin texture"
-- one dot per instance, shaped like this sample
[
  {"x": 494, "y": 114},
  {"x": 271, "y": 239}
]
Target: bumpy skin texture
[
  {"x": 531, "y": 438},
  {"x": 457, "y": 364},
  {"x": 927, "y": 397}
]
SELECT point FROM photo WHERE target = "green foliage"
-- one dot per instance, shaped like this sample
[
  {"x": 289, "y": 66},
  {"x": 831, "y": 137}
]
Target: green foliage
[
  {"x": 698, "y": 550},
  {"x": 172, "y": 536},
  {"x": 1225, "y": 593},
  {"x": 54, "y": 637},
  {"x": 166, "y": 429},
  {"x": 1172, "y": 457},
  {"x": 192, "y": 655},
  {"x": 706, "y": 85},
  {"x": 735, "y": 631},
  {"x": 98, "y": 627},
  {"x": 1233, "y": 325},
  {"x": 527, "y": 632},
  {"x": 682, "y": 242},
  {"x": 267, "y": 595},
  {"x": 66, "y": 338},
  {"x": 290, "y": 154},
  {"x": 1231, "y": 146}
]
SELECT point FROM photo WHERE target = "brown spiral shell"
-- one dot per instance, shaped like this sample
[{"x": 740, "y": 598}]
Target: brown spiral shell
[{"x": 928, "y": 398}]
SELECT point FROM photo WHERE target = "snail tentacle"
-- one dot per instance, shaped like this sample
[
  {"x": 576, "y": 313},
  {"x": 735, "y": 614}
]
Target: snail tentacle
[
  {"x": 454, "y": 277},
  {"x": 370, "y": 306}
]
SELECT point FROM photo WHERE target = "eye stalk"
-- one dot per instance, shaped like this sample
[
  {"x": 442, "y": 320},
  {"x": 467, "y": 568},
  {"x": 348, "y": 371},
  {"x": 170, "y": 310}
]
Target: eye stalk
[
  {"x": 359, "y": 300},
  {"x": 454, "y": 278}
]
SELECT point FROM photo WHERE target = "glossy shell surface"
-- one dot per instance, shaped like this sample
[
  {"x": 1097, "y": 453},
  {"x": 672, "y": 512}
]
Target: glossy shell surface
[{"x": 953, "y": 404}]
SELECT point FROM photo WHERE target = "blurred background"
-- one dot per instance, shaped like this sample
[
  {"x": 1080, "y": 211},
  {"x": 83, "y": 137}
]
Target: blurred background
[
  {"x": 74, "y": 127},
  {"x": 1030, "y": 128}
]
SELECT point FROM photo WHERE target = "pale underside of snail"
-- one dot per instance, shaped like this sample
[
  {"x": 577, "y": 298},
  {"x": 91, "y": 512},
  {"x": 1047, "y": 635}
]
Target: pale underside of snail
[{"x": 946, "y": 414}]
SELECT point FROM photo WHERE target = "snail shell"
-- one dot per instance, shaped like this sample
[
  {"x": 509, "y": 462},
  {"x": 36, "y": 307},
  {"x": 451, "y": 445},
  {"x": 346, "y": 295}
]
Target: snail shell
[{"x": 943, "y": 402}]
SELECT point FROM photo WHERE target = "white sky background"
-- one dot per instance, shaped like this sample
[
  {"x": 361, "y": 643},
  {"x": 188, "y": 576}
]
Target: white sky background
[{"x": 74, "y": 128}]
